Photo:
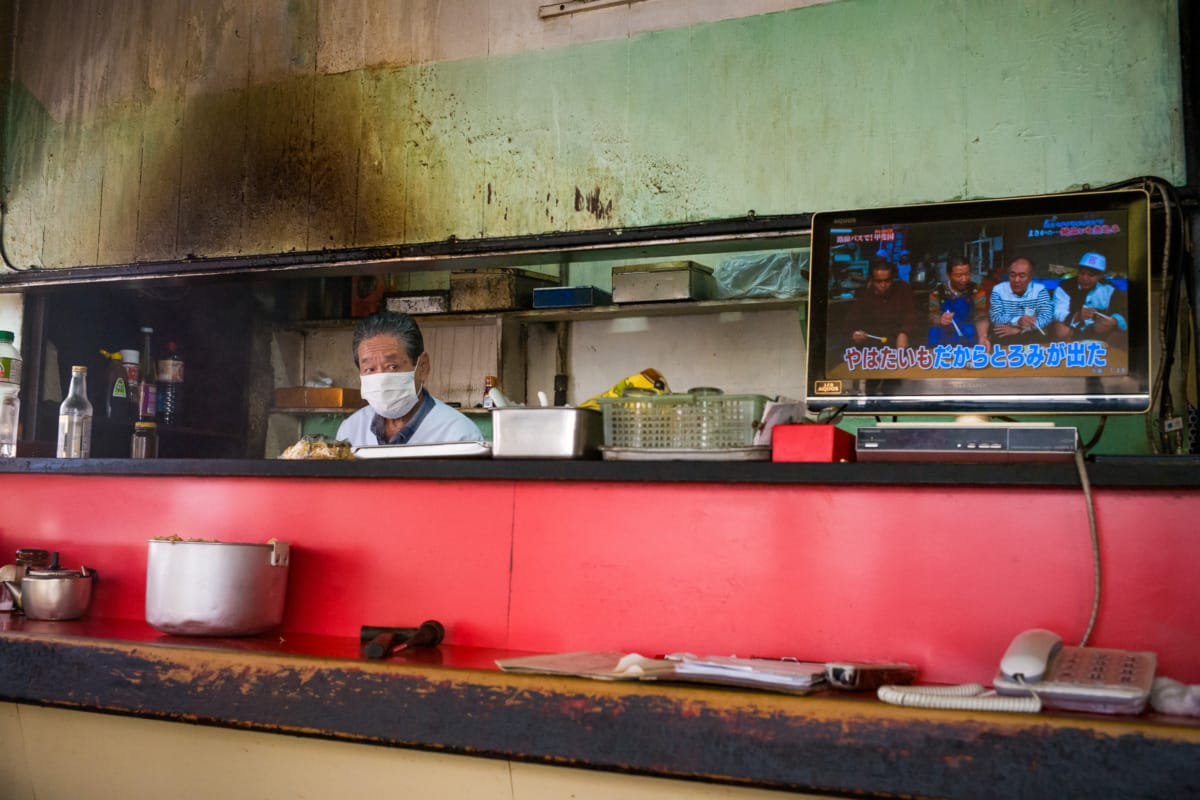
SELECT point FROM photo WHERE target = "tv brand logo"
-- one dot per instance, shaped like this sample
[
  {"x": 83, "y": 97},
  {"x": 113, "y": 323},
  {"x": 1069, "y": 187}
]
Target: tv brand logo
[{"x": 827, "y": 387}]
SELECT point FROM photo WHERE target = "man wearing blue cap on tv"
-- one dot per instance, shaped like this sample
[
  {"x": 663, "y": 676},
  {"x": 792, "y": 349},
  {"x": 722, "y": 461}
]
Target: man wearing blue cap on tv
[{"x": 1089, "y": 305}]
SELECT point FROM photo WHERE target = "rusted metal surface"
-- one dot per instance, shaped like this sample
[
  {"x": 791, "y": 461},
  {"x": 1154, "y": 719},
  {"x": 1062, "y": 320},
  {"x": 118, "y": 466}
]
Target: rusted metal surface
[
  {"x": 828, "y": 744},
  {"x": 724, "y": 235}
]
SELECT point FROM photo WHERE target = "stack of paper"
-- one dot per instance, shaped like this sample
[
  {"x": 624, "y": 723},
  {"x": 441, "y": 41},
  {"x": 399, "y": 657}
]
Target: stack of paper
[
  {"x": 796, "y": 677},
  {"x": 760, "y": 673},
  {"x": 606, "y": 666}
]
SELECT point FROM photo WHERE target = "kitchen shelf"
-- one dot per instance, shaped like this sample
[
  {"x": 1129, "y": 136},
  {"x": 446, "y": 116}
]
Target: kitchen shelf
[
  {"x": 425, "y": 320},
  {"x": 663, "y": 309},
  {"x": 614, "y": 311}
]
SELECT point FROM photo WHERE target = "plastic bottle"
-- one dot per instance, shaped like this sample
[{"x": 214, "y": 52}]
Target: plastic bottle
[
  {"x": 170, "y": 386},
  {"x": 10, "y": 394},
  {"x": 75, "y": 418},
  {"x": 489, "y": 382},
  {"x": 130, "y": 360},
  {"x": 144, "y": 443},
  {"x": 147, "y": 381},
  {"x": 116, "y": 391}
]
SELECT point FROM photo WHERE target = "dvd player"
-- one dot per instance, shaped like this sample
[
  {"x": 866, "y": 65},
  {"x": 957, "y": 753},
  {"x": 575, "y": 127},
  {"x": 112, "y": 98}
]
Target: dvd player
[{"x": 986, "y": 443}]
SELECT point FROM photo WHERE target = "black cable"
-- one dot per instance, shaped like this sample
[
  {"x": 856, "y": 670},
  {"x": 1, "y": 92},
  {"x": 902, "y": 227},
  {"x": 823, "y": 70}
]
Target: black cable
[
  {"x": 1169, "y": 312},
  {"x": 1087, "y": 447}
]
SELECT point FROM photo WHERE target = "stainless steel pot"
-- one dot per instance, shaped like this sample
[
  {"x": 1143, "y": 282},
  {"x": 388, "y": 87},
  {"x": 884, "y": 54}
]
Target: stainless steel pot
[
  {"x": 54, "y": 594},
  {"x": 216, "y": 588}
]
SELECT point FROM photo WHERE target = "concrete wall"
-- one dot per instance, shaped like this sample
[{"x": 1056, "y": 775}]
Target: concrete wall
[{"x": 140, "y": 130}]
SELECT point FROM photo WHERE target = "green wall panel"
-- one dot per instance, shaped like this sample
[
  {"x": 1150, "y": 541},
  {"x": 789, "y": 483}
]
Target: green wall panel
[{"x": 845, "y": 104}]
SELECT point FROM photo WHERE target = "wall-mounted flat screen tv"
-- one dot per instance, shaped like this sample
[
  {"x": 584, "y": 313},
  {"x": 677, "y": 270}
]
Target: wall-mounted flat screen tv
[{"x": 989, "y": 307}]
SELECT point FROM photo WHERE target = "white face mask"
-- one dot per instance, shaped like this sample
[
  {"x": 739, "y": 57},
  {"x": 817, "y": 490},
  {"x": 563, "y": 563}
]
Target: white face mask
[{"x": 391, "y": 394}]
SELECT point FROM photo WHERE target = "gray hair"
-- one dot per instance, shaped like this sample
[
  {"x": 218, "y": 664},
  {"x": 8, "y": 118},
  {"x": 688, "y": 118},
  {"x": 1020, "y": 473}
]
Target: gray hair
[{"x": 400, "y": 326}]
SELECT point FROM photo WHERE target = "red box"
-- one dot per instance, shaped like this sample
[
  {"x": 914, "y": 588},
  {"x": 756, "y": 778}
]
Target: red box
[
  {"x": 811, "y": 442},
  {"x": 366, "y": 295}
]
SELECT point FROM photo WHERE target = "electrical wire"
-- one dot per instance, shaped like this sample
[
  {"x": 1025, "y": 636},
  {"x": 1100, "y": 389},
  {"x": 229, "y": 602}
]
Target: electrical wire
[
  {"x": 1092, "y": 442},
  {"x": 1161, "y": 402},
  {"x": 1162, "y": 407},
  {"x": 1081, "y": 468}
]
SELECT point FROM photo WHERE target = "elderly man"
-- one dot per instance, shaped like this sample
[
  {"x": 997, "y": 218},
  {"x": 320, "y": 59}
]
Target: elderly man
[
  {"x": 1088, "y": 305},
  {"x": 883, "y": 312},
  {"x": 1020, "y": 309},
  {"x": 393, "y": 366}
]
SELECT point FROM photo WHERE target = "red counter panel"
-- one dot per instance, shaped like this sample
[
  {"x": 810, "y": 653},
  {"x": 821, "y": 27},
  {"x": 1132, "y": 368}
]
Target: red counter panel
[{"x": 938, "y": 576}]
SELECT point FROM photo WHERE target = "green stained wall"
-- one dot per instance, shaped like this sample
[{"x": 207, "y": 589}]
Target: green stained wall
[{"x": 227, "y": 139}]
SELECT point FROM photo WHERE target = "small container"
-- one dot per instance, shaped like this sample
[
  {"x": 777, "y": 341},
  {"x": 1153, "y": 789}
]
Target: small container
[
  {"x": 56, "y": 594},
  {"x": 10, "y": 394},
  {"x": 682, "y": 421},
  {"x": 489, "y": 382},
  {"x": 32, "y": 558},
  {"x": 670, "y": 280},
  {"x": 494, "y": 288},
  {"x": 203, "y": 588},
  {"x": 116, "y": 391},
  {"x": 148, "y": 380},
  {"x": 549, "y": 432},
  {"x": 570, "y": 296},
  {"x": 75, "y": 418},
  {"x": 424, "y": 302},
  {"x": 170, "y": 386},
  {"x": 129, "y": 360},
  {"x": 144, "y": 443}
]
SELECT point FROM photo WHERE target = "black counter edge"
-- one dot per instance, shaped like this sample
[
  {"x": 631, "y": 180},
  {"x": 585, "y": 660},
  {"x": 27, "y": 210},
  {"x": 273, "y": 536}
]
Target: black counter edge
[
  {"x": 835, "y": 746},
  {"x": 1165, "y": 472}
]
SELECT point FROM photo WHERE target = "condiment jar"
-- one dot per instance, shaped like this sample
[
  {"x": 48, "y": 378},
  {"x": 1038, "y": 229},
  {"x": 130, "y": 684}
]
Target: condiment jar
[
  {"x": 32, "y": 558},
  {"x": 144, "y": 443}
]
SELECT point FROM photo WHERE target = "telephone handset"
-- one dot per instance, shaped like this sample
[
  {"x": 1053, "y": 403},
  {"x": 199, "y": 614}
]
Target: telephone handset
[{"x": 1075, "y": 678}]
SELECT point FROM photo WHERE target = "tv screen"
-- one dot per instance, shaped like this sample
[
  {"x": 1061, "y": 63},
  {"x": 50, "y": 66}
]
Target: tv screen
[{"x": 990, "y": 307}]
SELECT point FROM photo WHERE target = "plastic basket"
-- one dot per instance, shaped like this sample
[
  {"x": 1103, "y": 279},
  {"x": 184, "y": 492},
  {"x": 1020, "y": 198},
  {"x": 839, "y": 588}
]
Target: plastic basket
[{"x": 681, "y": 421}]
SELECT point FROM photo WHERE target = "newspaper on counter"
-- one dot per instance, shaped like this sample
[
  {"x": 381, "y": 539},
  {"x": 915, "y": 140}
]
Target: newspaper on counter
[{"x": 794, "y": 677}]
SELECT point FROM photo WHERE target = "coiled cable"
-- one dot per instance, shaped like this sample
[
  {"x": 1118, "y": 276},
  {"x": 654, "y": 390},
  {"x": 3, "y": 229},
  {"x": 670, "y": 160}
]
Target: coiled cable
[{"x": 966, "y": 697}]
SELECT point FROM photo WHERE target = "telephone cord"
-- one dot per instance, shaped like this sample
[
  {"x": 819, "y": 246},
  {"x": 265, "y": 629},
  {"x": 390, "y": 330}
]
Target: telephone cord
[{"x": 967, "y": 697}]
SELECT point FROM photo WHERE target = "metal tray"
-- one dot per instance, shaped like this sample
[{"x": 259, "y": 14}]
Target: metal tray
[
  {"x": 756, "y": 453},
  {"x": 446, "y": 450}
]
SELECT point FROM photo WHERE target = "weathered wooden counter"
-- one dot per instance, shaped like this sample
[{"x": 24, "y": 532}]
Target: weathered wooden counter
[{"x": 452, "y": 699}]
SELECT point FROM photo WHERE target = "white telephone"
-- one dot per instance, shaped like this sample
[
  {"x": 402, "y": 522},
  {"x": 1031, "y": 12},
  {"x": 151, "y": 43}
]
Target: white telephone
[
  {"x": 1038, "y": 670},
  {"x": 1076, "y": 678}
]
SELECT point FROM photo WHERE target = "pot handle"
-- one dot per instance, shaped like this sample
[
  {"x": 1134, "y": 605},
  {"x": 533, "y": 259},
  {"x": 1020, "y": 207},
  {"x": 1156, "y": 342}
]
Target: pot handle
[{"x": 280, "y": 553}]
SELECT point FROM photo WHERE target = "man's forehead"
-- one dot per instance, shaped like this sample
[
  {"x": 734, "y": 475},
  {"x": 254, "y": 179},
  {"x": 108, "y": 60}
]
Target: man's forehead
[{"x": 382, "y": 345}]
